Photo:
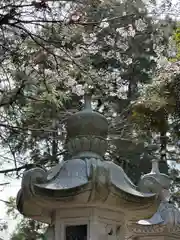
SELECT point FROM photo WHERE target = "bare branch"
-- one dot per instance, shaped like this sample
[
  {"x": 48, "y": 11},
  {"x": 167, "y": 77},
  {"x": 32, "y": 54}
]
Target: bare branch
[
  {"x": 3, "y": 184},
  {"x": 6, "y": 202}
]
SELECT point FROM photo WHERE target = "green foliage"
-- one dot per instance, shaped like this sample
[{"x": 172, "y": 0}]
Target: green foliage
[
  {"x": 159, "y": 101},
  {"x": 176, "y": 38},
  {"x": 26, "y": 228}
]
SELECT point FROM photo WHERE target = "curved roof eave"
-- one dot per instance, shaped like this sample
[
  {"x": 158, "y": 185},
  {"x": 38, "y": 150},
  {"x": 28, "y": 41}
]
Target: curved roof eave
[
  {"x": 121, "y": 182},
  {"x": 44, "y": 190},
  {"x": 136, "y": 198}
]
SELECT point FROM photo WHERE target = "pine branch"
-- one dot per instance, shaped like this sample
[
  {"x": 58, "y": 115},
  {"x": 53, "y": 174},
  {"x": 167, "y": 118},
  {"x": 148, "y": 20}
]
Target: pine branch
[
  {"x": 26, "y": 166},
  {"x": 26, "y": 128},
  {"x": 13, "y": 98}
]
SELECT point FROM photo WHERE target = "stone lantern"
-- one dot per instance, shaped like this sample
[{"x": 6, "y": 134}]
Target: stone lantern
[
  {"x": 165, "y": 222},
  {"x": 86, "y": 197}
]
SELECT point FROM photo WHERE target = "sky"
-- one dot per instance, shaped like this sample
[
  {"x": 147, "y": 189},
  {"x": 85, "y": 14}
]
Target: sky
[
  {"x": 6, "y": 192},
  {"x": 11, "y": 191}
]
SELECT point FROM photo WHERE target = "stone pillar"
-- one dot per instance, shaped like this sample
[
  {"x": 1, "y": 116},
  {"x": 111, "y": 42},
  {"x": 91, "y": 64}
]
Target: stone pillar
[
  {"x": 50, "y": 233},
  {"x": 94, "y": 228},
  {"x": 124, "y": 233}
]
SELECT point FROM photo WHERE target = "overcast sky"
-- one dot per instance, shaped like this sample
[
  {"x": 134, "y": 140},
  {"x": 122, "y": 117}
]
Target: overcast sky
[{"x": 5, "y": 193}]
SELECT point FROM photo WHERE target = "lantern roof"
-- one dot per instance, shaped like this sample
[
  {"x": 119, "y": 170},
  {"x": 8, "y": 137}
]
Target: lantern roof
[{"x": 85, "y": 178}]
